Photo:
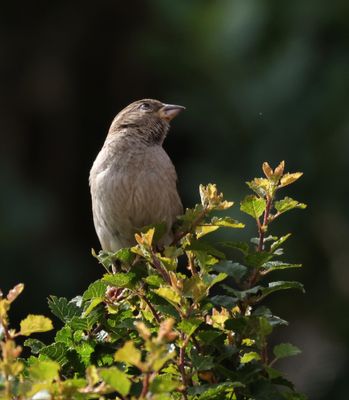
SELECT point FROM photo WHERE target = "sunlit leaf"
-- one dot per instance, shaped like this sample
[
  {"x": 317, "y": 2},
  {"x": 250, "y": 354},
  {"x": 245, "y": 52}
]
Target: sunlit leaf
[
  {"x": 288, "y": 178},
  {"x": 35, "y": 323},
  {"x": 120, "y": 280},
  {"x": 168, "y": 294},
  {"x": 44, "y": 370},
  {"x": 129, "y": 353},
  {"x": 227, "y": 222},
  {"x": 248, "y": 357},
  {"x": 189, "y": 326},
  {"x": 117, "y": 379},
  {"x": 253, "y": 206},
  {"x": 288, "y": 204}
]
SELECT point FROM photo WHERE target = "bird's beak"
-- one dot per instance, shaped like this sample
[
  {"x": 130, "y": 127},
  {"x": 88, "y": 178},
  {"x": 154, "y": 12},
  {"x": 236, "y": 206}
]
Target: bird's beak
[{"x": 169, "y": 111}]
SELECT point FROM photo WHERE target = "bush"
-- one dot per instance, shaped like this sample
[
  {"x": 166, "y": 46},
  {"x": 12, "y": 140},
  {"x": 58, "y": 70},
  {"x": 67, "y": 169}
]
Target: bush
[{"x": 179, "y": 322}]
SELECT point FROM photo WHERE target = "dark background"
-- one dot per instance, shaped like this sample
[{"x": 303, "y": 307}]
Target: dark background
[{"x": 261, "y": 80}]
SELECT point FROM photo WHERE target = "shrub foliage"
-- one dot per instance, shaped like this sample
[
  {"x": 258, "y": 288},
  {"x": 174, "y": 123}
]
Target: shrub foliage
[{"x": 184, "y": 321}]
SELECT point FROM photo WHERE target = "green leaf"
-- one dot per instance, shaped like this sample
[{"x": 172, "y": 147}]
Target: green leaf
[
  {"x": 93, "y": 304},
  {"x": 65, "y": 335},
  {"x": 276, "y": 265},
  {"x": 128, "y": 353},
  {"x": 227, "y": 222},
  {"x": 281, "y": 285},
  {"x": 288, "y": 204},
  {"x": 120, "y": 280},
  {"x": 202, "y": 230},
  {"x": 253, "y": 206},
  {"x": 224, "y": 301},
  {"x": 35, "y": 345},
  {"x": 95, "y": 289},
  {"x": 63, "y": 309},
  {"x": 117, "y": 379},
  {"x": 283, "y": 350},
  {"x": 257, "y": 258},
  {"x": 235, "y": 270},
  {"x": 154, "y": 280},
  {"x": 248, "y": 357},
  {"x": 200, "y": 245},
  {"x": 43, "y": 371},
  {"x": 243, "y": 247},
  {"x": 57, "y": 352},
  {"x": 189, "y": 326},
  {"x": 279, "y": 242},
  {"x": 202, "y": 362},
  {"x": 168, "y": 294},
  {"x": 35, "y": 323},
  {"x": 164, "y": 383}
]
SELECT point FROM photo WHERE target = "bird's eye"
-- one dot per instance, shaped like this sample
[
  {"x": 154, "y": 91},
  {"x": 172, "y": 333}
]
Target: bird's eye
[{"x": 145, "y": 106}]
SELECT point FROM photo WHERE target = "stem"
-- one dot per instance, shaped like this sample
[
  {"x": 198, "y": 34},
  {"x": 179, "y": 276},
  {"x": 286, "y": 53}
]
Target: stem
[
  {"x": 145, "y": 387},
  {"x": 159, "y": 268},
  {"x": 180, "y": 235},
  {"x": 261, "y": 228},
  {"x": 151, "y": 308},
  {"x": 181, "y": 365},
  {"x": 191, "y": 264}
]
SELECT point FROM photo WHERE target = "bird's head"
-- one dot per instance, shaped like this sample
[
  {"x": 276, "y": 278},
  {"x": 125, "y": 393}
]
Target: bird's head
[{"x": 149, "y": 119}]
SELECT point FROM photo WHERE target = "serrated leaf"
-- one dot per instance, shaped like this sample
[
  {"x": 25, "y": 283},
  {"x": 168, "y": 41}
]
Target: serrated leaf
[
  {"x": 129, "y": 354},
  {"x": 288, "y": 178},
  {"x": 200, "y": 245},
  {"x": 202, "y": 362},
  {"x": 202, "y": 230},
  {"x": 283, "y": 350},
  {"x": 120, "y": 280},
  {"x": 154, "y": 280},
  {"x": 35, "y": 323},
  {"x": 168, "y": 294},
  {"x": 145, "y": 239},
  {"x": 281, "y": 285},
  {"x": 95, "y": 289},
  {"x": 276, "y": 265},
  {"x": 43, "y": 371},
  {"x": 258, "y": 258},
  {"x": 253, "y": 206},
  {"x": 279, "y": 242},
  {"x": 227, "y": 222},
  {"x": 117, "y": 379},
  {"x": 243, "y": 247},
  {"x": 212, "y": 199},
  {"x": 35, "y": 345},
  {"x": 235, "y": 270},
  {"x": 63, "y": 309},
  {"x": 250, "y": 356},
  {"x": 288, "y": 204},
  {"x": 224, "y": 301},
  {"x": 56, "y": 351},
  {"x": 261, "y": 186},
  {"x": 189, "y": 326}
]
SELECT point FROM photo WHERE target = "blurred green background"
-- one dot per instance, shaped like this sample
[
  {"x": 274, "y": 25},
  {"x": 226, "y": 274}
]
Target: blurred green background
[{"x": 261, "y": 80}]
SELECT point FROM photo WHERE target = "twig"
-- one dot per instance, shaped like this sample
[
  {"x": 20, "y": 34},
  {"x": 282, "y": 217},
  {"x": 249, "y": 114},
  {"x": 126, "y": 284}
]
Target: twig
[
  {"x": 261, "y": 228},
  {"x": 145, "y": 387},
  {"x": 151, "y": 308},
  {"x": 181, "y": 365}
]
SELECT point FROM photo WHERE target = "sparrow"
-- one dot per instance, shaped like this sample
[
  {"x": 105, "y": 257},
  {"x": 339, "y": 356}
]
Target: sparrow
[{"x": 133, "y": 182}]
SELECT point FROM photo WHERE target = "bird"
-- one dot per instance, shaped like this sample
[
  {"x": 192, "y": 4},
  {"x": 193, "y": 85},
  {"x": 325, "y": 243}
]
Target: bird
[{"x": 133, "y": 182}]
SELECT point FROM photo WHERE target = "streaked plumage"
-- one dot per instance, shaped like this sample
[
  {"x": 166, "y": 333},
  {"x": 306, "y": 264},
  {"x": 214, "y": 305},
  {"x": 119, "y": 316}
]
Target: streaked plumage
[{"x": 133, "y": 181}]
